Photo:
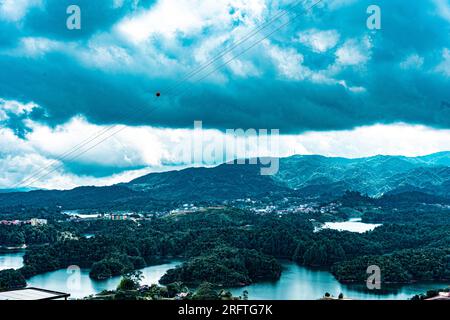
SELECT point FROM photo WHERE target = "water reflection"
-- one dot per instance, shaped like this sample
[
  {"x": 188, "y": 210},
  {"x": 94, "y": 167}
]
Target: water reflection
[
  {"x": 353, "y": 225},
  {"x": 11, "y": 260},
  {"x": 296, "y": 283},
  {"x": 300, "y": 283},
  {"x": 80, "y": 285}
]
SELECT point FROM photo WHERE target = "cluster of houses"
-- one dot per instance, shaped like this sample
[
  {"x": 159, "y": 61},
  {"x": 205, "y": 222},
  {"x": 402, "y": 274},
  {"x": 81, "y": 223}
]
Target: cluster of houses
[
  {"x": 34, "y": 222},
  {"x": 117, "y": 217},
  {"x": 285, "y": 206},
  {"x": 75, "y": 216}
]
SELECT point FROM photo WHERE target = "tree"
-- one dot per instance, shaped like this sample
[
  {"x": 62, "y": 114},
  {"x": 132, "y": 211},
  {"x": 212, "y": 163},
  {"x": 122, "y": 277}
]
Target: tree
[
  {"x": 300, "y": 251},
  {"x": 315, "y": 256},
  {"x": 100, "y": 271},
  {"x": 174, "y": 288},
  {"x": 130, "y": 281},
  {"x": 206, "y": 291},
  {"x": 11, "y": 279}
]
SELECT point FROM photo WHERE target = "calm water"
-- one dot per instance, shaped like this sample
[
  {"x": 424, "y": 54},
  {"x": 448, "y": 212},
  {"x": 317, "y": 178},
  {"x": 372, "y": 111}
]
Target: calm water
[
  {"x": 296, "y": 283},
  {"x": 353, "y": 225},
  {"x": 13, "y": 260},
  {"x": 79, "y": 285},
  {"x": 299, "y": 283}
]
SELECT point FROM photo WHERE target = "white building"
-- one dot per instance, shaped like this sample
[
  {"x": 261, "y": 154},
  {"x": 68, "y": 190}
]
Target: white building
[{"x": 38, "y": 222}]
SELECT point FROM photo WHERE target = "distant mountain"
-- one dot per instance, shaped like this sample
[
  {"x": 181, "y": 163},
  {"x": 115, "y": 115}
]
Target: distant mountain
[
  {"x": 304, "y": 176},
  {"x": 436, "y": 159},
  {"x": 82, "y": 197},
  {"x": 409, "y": 198},
  {"x": 220, "y": 183},
  {"x": 374, "y": 176},
  {"x": 16, "y": 190}
]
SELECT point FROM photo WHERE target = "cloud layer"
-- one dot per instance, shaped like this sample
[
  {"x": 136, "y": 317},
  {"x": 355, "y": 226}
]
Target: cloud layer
[
  {"x": 324, "y": 71},
  {"x": 41, "y": 157},
  {"x": 324, "y": 75}
]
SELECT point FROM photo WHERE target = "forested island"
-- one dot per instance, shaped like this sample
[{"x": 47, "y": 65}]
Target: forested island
[
  {"x": 226, "y": 266},
  {"x": 228, "y": 246}
]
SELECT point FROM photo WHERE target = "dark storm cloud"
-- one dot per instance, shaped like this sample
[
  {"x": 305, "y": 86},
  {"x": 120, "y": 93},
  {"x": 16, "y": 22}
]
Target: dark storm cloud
[
  {"x": 66, "y": 87},
  {"x": 16, "y": 124}
]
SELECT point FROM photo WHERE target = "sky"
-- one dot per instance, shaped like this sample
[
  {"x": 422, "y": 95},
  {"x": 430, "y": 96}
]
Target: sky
[{"x": 329, "y": 84}]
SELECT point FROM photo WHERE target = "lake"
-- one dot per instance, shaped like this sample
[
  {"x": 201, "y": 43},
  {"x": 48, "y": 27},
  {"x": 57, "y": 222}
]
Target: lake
[
  {"x": 11, "y": 260},
  {"x": 352, "y": 225},
  {"x": 296, "y": 283},
  {"x": 300, "y": 283},
  {"x": 80, "y": 285}
]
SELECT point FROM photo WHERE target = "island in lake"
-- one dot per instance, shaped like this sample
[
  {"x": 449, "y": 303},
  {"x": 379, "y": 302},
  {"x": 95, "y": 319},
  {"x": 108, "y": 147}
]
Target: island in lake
[{"x": 272, "y": 242}]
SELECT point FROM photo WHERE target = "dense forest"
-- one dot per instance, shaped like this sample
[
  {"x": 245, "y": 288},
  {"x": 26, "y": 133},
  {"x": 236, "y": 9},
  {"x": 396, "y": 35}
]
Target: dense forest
[
  {"x": 130, "y": 288},
  {"x": 11, "y": 235},
  {"x": 226, "y": 267},
  {"x": 400, "y": 266},
  {"x": 229, "y": 246},
  {"x": 11, "y": 279}
]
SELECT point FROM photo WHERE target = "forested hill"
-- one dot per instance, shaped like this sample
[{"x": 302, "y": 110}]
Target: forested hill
[{"x": 302, "y": 176}]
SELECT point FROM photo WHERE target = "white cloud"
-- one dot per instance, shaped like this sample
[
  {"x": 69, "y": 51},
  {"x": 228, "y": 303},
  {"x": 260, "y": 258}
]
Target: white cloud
[
  {"x": 319, "y": 41},
  {"x": 118, "y": 3},
  {"x": 157, "y": 149},
  {"x": 288, "y": 62},
  {"x": 209, "y": 48},
  {"x": 413, "y": 61},
  {"x": 243, "y": 68},
  {"x": 393, "y": 139},
  {"x": 443, "y": 8},
  {"x": 31, "y": 46},
  {"x": 354, "y": 89},
  {"x": 354, "y": 52},
  {"x": 15, "y": 10},
  {"x": 290, "y": 65},
  {"x": 135, "y": 146},
  {"x": 15, "y": 107},
  {"x": 444, "y": 66},
  {"x": 357, "y": 89},
  {"x": 188, "y": 17},
  {"x": 105, "y": 56}
]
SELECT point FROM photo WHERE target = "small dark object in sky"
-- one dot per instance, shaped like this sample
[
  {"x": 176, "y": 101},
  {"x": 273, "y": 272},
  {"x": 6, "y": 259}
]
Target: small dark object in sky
[{"x": 158, "y": 94}]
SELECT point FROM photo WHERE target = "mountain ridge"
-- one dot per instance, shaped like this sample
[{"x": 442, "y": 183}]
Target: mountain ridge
[{"x": 305, "y": 176}]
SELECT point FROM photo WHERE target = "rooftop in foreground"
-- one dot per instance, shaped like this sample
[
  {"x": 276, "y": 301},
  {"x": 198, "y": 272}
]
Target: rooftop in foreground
[
  {"x": 441, "y": 296},
  {"x": 32, "y": 294}
]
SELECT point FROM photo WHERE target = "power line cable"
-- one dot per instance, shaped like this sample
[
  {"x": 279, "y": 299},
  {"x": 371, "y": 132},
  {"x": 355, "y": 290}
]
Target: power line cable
[
  {"x": 203, "y": 77},
  {"x": 194, "y": 72}
]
